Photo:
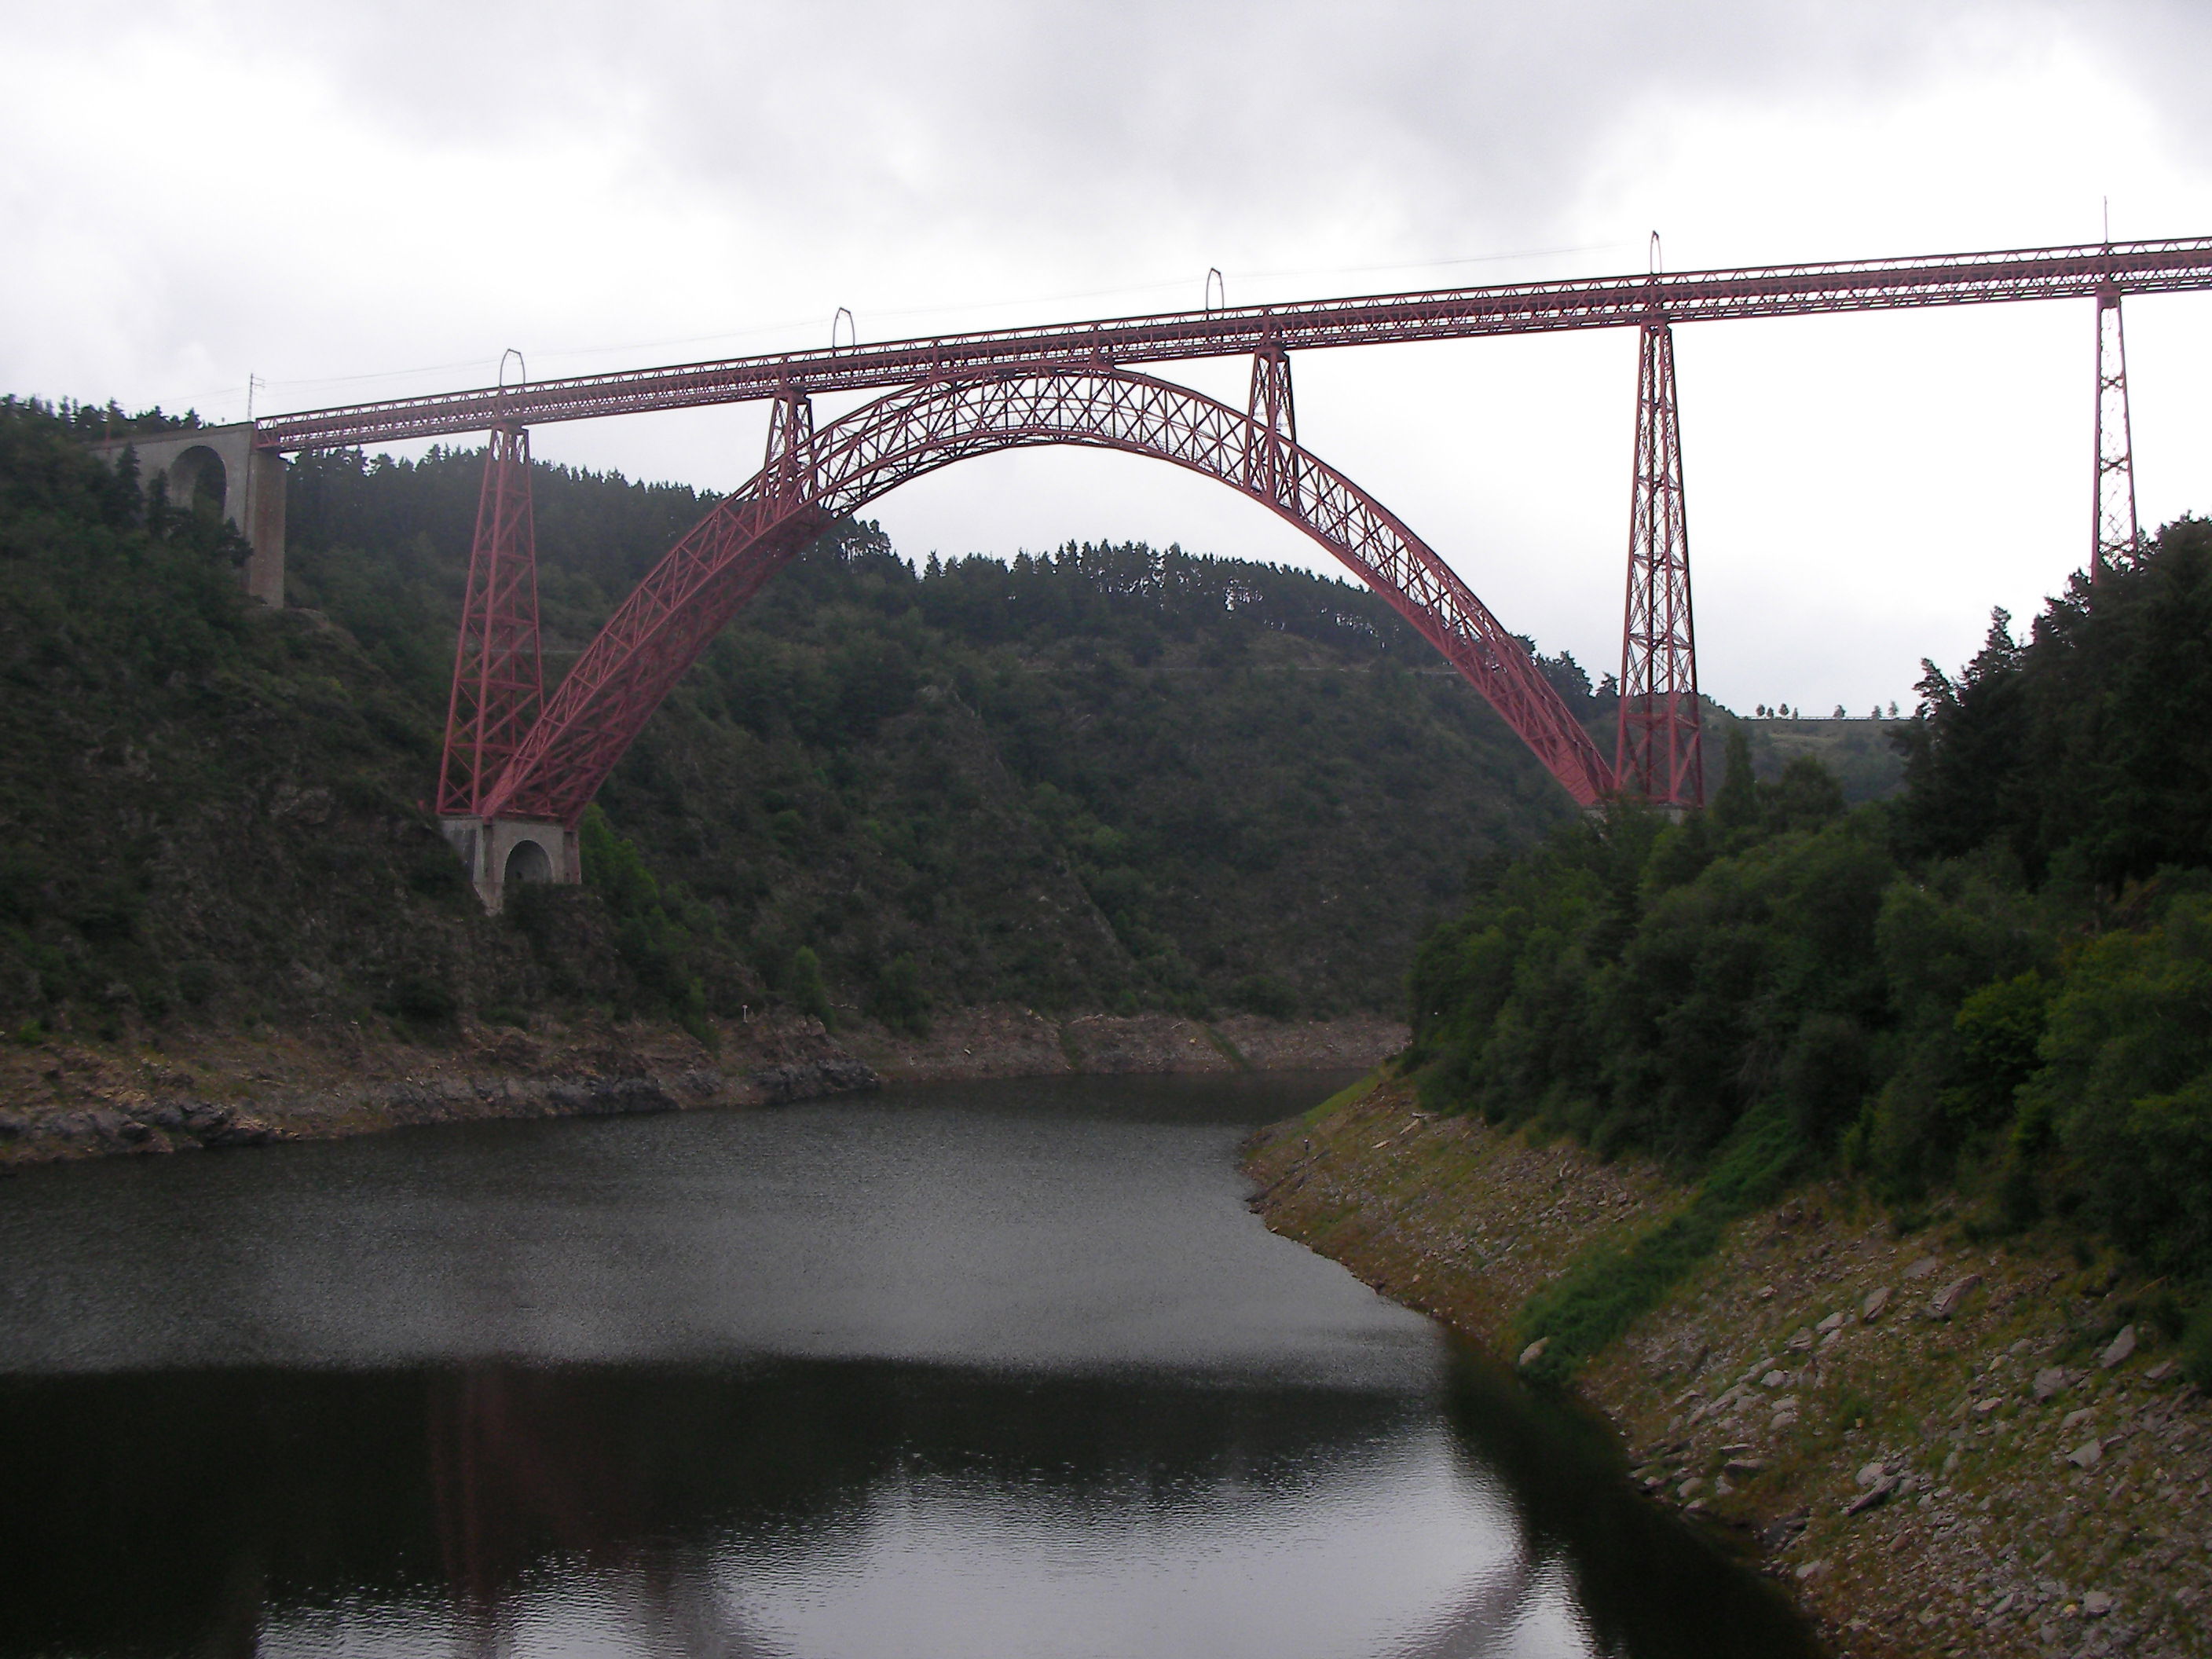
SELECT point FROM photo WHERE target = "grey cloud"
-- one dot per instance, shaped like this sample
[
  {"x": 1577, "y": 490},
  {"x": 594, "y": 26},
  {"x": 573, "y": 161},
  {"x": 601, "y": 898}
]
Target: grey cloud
[{"x": 1064, "y": 116}]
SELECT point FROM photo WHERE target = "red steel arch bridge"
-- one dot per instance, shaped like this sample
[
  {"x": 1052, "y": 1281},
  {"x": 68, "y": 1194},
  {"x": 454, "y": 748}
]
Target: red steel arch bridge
[{"x": 519, "y": 765}]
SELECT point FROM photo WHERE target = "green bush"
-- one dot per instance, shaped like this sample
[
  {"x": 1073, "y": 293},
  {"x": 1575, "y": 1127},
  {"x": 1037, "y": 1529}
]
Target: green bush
[
  {"x": 2197, "y": 1347},
  {"x": 2127, "y": 1084},
  {"x": 422, "y": 999},
  {"x": 897, "y": 998},
  {"x": 197, "y": 980},
  {"x": 1269, "y": 995},
  {"x": 803, "y": 986}
]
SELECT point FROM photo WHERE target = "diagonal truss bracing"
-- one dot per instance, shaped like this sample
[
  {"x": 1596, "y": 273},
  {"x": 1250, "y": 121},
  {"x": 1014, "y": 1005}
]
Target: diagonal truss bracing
[
  {"x": 2115, "y": 536},
  {"x": 1659, "y": 753},
  {"x": 671, "y": 616},
  {"x": 499, "y": 685},
  {"x": 1781, "y": 290}
]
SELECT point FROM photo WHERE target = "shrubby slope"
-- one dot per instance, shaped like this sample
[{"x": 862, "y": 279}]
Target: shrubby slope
[
  {"x": 1109, "y": 778},
  {"x": 2000, "y": 984}
]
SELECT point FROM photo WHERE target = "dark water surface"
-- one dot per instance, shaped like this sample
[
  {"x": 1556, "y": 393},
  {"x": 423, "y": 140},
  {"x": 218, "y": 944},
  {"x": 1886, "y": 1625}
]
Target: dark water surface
[{"x": 1000, "y": 1371}]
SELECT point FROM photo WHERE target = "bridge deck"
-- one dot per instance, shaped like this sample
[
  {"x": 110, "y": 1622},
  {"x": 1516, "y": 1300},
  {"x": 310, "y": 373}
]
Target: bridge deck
[{"x": 2147, "y": 267}]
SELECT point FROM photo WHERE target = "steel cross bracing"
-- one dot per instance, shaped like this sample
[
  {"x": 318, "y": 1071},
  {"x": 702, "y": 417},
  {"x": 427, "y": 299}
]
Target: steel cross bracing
[
  {"x": 1659, "y": 752},
  {"x": 811, "y": 478},
  {"x": 2050, "y": 273},
  {"x": 2115, "y": 535},
  {"x": 499, "y": 682}
]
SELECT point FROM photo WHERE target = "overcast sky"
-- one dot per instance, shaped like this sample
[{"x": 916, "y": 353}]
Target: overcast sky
[{"x": 368, "y": 200}]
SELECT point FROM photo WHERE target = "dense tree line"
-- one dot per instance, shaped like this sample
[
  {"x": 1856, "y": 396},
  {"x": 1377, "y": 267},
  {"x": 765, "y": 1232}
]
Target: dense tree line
[
  {"x": 1106, "y": 777},
  {"x": 2000, "y": 982}
]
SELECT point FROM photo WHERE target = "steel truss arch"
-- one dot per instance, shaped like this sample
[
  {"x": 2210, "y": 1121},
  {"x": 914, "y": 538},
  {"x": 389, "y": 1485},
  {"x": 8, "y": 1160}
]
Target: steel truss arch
[{"x": 671, "y": 616}]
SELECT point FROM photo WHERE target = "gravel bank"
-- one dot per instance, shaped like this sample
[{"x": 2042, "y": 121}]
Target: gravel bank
[
  {"x": 1940, "y": 1447},
  {"x": 63, "y": 1099}
]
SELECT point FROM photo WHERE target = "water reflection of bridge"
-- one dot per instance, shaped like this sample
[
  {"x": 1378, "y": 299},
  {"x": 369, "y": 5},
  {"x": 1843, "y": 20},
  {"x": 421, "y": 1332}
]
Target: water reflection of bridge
[{"x": 499, "y": 1508}]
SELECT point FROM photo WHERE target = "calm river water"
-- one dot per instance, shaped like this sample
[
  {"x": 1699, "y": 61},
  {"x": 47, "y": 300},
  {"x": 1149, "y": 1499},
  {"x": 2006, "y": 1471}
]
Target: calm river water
[{"x": 1000, "y": 1371}]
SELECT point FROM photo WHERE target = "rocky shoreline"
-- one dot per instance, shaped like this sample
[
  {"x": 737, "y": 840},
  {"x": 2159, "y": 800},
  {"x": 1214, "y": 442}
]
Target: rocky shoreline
[
  {"x": 62, "y": 1099},
  {"x": 1939, "y": 1446}
]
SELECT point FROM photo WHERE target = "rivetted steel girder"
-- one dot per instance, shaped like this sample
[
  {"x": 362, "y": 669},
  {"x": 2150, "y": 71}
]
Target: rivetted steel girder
[
  {"x": 2051, "y": 273},
  {"x": 814, "y": 477}
]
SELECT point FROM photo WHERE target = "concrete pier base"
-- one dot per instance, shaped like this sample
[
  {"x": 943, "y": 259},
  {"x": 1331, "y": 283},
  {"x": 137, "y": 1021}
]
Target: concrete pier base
[
  {"x": 220, "y": 465},
  {"x": 503, "y": 852}
]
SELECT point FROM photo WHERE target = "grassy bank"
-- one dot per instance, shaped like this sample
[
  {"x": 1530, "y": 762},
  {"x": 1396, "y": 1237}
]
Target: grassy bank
[{"x": 1921, "y": 1432}]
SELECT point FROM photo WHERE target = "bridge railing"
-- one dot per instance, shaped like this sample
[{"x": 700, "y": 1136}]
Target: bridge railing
[{"x": 1780, "y": 290}]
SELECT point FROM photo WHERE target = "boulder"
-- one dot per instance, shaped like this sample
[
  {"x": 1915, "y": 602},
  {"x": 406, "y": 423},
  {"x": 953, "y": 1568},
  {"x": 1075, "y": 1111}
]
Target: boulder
[
  {"x": 239, "y": 1131},
  {"x": 1923, "y": 1268},
  {"x": 2120, "y": 1347},
  {"x": 1802, "y": 1341},
  {"x": 1533, "y": 1352},
  {"x": 1834, "y": 1321},
  {"x": 2096, "y": 1604},
  {"x": 1778, "y": 1533},
  {"x": 1870, "y": 1310},
  {"x": 782, "y": 1084},
  {"x": 2050, "y": 1380},
  {"x": 616, "y": 1097},
  {"x": 2088, "y": 1455},
  {"x": 1877, "y": 1493},
  {"x": 1947, "y": 1300}
]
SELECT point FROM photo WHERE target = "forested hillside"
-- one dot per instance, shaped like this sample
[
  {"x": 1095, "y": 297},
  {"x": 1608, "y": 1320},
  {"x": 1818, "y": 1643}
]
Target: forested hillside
[
  {"x": 1997, "y": 986},
  {"x": 1109, "y": 778}
]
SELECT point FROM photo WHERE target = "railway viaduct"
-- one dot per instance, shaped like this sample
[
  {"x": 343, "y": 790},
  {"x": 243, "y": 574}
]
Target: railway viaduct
[{"x": 520, "y": 765}]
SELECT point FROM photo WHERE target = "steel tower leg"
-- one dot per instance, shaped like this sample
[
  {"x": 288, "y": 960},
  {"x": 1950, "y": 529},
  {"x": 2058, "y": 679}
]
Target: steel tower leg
[
  {"x": 1271, "y": 441},
  {"x": 2115, "y": 533},
  {"x": 787, "y": 469},
  {"x": 1659, "y": 753},
  {"x": 499, "y": 684}
]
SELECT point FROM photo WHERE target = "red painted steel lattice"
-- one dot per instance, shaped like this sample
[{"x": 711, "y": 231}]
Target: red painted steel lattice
[
  {"x": 2115, "y": 534},
  {"x": 811, "y": 480},
  {"x": 499, "y": 685},
  {"x": 1659, "y": 753},
  {"x": 1269, "y": 463},
  {"x": 2049, "y": 273},
  {"x": 972, "y": 392}
]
